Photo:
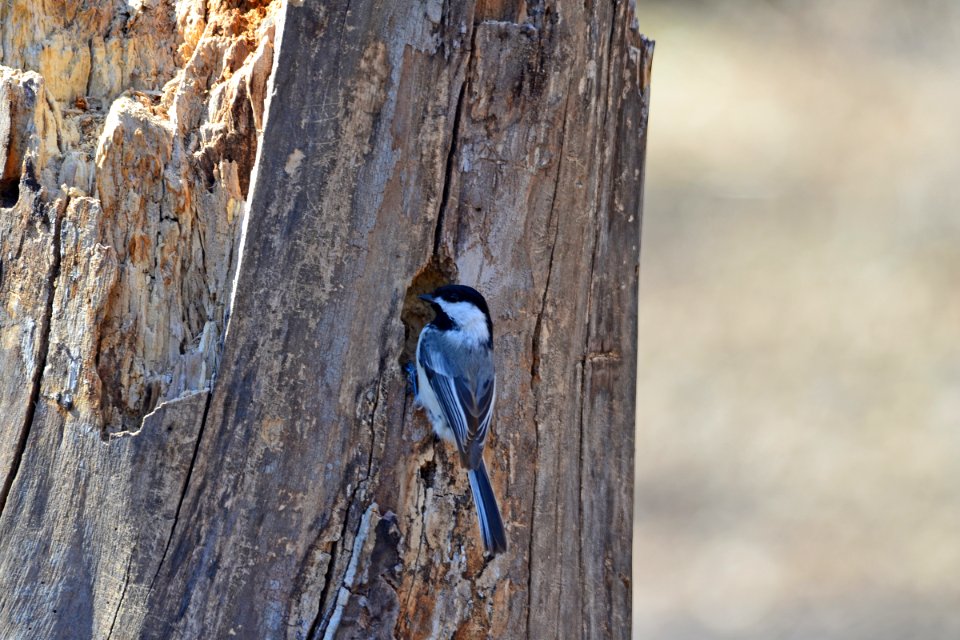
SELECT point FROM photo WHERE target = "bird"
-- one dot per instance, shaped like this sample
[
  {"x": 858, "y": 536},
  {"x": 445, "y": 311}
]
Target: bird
[{"x": 456, "y": 385}]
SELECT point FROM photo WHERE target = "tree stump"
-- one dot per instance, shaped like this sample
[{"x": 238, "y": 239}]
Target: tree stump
[{"x": 215, "y": 218}]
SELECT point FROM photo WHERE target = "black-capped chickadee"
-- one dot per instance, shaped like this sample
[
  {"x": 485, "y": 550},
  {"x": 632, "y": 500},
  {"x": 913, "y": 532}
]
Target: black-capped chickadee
[{"x": 456, "y": 384}]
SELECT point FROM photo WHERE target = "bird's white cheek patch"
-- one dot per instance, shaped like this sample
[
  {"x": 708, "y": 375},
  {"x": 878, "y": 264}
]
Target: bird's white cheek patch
[{"x": 471, "y": 320}]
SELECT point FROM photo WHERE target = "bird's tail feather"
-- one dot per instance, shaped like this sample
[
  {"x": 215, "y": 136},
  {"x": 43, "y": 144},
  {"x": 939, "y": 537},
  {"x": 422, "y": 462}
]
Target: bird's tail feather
[{"x": 491, "y": 526}]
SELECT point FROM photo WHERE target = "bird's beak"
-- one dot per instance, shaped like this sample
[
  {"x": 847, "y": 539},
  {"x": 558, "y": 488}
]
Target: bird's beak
[{"x": 427, "y": 298}]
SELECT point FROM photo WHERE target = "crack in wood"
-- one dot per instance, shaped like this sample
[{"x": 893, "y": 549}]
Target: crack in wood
[
  {"x": 344, "y": 591},
  {"x": 45, "y": 325},
  {"x": 604, "y": 170},
  {"x": 451, "y": 155},
  {"x": 535, "y": 367},
  {"x": 325, "y": 614},
  {"x": 186, "y": 487},
  {"x": 454, "y": 146},
  {"x": 123, "y": 594},
  {"x": 422, "y": 504},
  {"x": 322, "y": 621},
  {"x": 603, "y": 356}
]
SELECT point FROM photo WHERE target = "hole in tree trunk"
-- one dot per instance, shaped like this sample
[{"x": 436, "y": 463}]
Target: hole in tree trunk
[{"x": 416, "y": 313}]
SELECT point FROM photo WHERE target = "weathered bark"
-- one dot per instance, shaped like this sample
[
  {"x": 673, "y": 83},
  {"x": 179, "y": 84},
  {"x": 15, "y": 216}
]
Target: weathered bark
[{"x": 301, "y": 496}]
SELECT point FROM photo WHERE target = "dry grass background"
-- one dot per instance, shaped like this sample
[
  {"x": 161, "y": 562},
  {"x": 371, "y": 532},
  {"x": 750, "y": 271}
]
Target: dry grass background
[{"x": 798, "y": 465}]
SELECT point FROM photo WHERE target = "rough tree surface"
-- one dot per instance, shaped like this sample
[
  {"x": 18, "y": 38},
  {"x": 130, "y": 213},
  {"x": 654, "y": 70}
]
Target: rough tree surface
[{"x": 215, "y": 217}]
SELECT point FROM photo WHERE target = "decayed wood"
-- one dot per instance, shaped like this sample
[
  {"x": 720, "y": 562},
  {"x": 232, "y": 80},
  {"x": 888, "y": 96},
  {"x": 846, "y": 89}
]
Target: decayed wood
[
  {"x": 28, "y": 260},
  {"x": 497, "y": 144},
  {"x": 119, "y": 214}
]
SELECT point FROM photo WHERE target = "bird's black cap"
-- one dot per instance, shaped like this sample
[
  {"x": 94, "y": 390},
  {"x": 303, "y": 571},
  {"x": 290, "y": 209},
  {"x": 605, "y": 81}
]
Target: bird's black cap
[{"x": 459, "y": 293}]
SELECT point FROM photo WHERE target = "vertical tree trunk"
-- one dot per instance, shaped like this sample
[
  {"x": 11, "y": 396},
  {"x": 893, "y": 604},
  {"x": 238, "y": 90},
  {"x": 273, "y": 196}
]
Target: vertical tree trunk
[{"x": 182, "y": 205}]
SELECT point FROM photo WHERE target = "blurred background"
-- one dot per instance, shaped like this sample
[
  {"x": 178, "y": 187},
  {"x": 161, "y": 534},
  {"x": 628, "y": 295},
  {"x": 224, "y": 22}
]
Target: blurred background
[{"x": 798, "y": 446}]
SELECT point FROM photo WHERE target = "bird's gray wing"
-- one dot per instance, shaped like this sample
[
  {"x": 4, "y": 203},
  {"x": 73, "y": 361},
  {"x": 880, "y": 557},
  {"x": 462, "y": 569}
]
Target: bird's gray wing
[{"x": 465, "y": 386}]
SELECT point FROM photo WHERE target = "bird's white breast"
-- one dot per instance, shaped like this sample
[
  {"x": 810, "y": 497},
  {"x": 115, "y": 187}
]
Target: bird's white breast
[
  {"x": 428, "y": 400},
  {"x": 470, "y": 320}
]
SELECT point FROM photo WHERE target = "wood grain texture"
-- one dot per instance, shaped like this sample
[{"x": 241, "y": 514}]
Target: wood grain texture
[
  {"x": 499, "y": 145},
  {"x": 119, "y": 215}
]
